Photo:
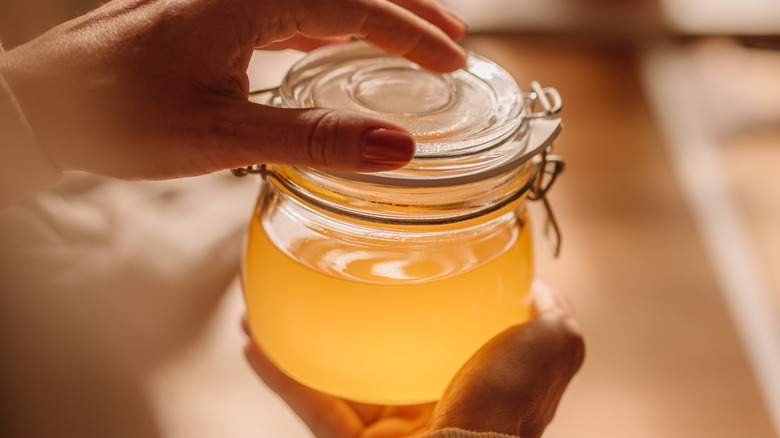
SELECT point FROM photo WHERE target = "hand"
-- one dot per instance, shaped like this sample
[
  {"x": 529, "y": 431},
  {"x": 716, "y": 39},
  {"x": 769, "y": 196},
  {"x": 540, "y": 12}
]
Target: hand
[
  {"x": 148, "y": 89},
  {"x": 512, "y": 385}
]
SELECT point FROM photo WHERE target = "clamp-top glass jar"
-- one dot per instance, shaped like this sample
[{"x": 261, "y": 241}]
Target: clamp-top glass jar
[{"x": 378, "y": 287}]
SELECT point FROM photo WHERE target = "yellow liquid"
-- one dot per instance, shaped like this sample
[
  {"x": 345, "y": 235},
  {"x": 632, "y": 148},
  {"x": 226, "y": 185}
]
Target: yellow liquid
[{"x": 376, "y": 328}]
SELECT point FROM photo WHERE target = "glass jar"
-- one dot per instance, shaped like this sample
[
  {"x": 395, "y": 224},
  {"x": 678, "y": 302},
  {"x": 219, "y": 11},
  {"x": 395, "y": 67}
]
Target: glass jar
[{"x": 377, "y": 287}]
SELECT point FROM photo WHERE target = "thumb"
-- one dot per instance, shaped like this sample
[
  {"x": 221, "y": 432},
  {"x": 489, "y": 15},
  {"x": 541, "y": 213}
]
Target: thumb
[
  {"x": 314, "y": 137},
  {"x": 514, "y": 383}
]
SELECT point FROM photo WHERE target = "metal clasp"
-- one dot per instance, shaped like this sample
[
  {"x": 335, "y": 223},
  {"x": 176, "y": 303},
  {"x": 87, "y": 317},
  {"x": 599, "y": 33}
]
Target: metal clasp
[
  {"x": 547, "y": 97},
  {"x": 254, "y": 169},
  {"x": 550, "y": 166}
]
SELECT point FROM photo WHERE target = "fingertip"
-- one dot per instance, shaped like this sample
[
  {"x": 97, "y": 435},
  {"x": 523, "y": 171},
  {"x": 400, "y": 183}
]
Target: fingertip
[
  {"x": 387, "y": 147},
  {"x": 457, "y": 60}
]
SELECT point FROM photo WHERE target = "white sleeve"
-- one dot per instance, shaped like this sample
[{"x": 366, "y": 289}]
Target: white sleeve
[{"x": 24, "y": 167}]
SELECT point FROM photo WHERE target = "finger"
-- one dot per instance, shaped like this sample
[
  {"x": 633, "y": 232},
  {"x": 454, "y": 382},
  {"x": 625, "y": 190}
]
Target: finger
[
  {"x": 326, "y": 416},
  {"x": 243, "y": 133},
  {"x": 442, "y": 17},
  {"x": 401, "y": 421},
  {"x": 514, "y": 383},
  {"x": 368, "y": 413},
  {"x": 390, "y": 27},
  {"x": 393, "y": 420}
]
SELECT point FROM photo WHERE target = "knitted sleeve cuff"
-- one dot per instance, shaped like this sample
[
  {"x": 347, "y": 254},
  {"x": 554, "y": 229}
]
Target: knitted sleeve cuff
[{"x": 460, "y": 433}]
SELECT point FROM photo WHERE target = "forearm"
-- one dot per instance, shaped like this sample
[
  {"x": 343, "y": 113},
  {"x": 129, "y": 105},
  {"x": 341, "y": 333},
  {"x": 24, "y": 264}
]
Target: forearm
[{"x": 24, "y": 166}]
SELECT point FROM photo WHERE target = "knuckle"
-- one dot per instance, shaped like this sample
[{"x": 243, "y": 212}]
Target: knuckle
[{"x": 322, "y": 141}]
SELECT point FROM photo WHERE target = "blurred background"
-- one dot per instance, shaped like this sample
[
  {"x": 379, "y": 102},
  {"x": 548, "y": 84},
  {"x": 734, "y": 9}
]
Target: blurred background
[{"x": 669, "y": 208}]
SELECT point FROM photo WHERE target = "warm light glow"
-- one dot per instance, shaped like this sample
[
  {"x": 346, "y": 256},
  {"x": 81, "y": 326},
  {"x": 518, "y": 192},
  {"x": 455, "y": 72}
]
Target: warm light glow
[{"x": 377, "y": 337}]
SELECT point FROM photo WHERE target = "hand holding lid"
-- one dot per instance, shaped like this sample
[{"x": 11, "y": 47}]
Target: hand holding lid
[{"x": 149, "y": 89}]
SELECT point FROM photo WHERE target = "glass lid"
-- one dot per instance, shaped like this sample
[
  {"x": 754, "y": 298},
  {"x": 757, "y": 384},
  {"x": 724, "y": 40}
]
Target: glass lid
[
  {"x": 469, "y": 125},
  {"x": 463, "y": 112}
]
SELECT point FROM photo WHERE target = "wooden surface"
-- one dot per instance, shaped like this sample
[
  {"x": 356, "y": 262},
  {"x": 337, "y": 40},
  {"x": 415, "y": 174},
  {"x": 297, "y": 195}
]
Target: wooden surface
[{"x": 663, "y": 357}]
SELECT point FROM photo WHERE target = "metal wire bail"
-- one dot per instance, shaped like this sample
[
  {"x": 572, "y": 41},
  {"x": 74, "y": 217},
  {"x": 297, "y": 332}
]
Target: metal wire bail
[{"x": 549, "y": 168}]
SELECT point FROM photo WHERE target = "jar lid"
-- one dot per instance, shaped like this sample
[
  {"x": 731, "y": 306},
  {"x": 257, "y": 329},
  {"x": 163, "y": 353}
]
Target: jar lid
[
  {"x": 479, "y": 144},
  {"x": 451, "y": 114},
  {"x": 468, "y": 125}
]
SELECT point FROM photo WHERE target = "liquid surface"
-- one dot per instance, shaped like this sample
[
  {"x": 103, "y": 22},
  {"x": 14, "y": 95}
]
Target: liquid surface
[{"x": 382, "y": 340}]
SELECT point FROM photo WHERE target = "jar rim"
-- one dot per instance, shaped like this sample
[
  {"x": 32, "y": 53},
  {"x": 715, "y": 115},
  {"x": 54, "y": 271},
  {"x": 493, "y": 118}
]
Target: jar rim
[
  {"x": 405, "y": 206},
  {"x": 377, "y": 198}
]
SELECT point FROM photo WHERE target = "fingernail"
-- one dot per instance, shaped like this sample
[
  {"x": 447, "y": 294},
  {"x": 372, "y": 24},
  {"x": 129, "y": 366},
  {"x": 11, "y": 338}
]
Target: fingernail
[{"x": 385, "y": 146}]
